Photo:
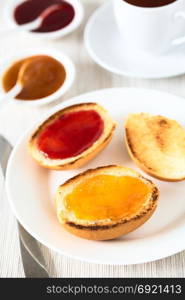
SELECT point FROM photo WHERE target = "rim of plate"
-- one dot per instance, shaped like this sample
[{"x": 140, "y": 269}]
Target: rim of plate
[{"x": 153, "y": 257}]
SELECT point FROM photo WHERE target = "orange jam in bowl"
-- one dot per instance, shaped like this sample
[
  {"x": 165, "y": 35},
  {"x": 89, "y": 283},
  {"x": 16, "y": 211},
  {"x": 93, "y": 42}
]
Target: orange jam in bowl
[
  {"x": 104, "y": 197},
  {"x": 44, "y": 75}
]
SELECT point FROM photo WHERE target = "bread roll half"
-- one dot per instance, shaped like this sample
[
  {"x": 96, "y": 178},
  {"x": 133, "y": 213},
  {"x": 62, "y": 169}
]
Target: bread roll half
[
  {"x": 83, "y": 157},
  {"x": 105, "y": 203},
  {"x": 157, "y": 145}
]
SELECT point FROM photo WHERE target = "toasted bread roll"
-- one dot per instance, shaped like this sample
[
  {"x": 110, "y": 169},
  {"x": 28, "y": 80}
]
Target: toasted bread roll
[
  {"x": 157, "y": 145},
  {"x": 105, "y": 203},
  {"x": 63, "y": 139}
]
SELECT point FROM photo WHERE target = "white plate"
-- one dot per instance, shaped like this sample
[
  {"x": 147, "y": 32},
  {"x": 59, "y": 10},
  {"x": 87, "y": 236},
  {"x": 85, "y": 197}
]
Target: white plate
[
  {"x": 104, "y": 44},
  {"x": 31, "y": 188}
]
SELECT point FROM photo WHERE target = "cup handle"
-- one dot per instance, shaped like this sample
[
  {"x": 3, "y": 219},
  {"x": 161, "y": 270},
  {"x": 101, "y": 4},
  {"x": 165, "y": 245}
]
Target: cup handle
[{"x": 180, "y": 40}]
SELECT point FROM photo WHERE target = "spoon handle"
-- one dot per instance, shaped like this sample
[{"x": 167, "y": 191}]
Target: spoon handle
[
  {"x": 6, "y": 97},
  {"x": 25, "y": 27}
]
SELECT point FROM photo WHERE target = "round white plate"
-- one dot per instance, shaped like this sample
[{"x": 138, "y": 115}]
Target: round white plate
[
  {"x": 31, "y": 188},
  {"x": 104, "y": 44}
]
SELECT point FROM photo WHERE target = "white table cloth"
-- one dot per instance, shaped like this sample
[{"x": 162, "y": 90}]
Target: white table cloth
[{"x": 14, "y": 119}]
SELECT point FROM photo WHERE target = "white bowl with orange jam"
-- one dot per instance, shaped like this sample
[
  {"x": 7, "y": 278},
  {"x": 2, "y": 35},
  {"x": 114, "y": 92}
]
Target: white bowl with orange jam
[{"x": 62, "y": 69}]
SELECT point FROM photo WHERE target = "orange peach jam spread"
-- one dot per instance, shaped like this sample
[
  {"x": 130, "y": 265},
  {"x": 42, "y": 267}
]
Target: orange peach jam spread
[{"x": 107, "y": 197}]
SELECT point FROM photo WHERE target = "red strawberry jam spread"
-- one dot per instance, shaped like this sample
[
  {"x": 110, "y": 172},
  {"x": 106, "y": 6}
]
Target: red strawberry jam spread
[
  {"x": 70, "y": 134},
  {"x": 29, "y": 10}
]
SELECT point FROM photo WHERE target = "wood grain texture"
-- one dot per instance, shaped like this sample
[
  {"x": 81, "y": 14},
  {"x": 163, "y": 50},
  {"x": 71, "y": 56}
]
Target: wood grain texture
[{"x": 14, "y": 119}]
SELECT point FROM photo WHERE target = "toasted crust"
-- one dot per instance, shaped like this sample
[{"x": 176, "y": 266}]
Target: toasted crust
[
  {"x": 84, "y": 157},
  {"x": 109, "y": 232},
  {"x": 104, "y": 229},
  {"x": 157, "y": 145}
]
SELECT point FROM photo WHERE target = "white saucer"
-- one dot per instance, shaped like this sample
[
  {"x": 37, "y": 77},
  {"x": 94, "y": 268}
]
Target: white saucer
[{"x": 103, "y": 42}]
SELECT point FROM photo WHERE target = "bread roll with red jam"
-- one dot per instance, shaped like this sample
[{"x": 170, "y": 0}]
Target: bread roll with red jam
[{"x": 72, "y": 136}]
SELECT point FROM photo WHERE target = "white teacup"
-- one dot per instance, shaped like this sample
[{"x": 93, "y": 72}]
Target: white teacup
[{"x": 152, "y": 30}]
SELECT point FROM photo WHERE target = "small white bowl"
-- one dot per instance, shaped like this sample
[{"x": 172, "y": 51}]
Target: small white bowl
[
  {"x": 61, "y": 57},
  {"x": 79, "y": 13}
]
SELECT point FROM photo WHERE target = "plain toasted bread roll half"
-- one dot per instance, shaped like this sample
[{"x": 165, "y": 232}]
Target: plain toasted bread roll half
[
  {"x": 72, "y": 136},
  {"x": 105, "y": 203},
  {"x": 157, "y": 145}
]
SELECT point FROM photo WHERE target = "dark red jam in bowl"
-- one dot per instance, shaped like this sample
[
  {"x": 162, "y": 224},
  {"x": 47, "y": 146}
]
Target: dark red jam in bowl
[
  {"x": 70, "y": 134},
  {"x": 29, "y": 10}
]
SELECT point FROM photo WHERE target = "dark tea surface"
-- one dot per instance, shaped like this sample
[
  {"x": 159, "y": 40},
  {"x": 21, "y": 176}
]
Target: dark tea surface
[{"x": 149, "y": 3}]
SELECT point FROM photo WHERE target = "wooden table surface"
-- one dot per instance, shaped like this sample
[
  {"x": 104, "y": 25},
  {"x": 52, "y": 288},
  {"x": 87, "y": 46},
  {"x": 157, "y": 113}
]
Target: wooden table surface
[{"x": 14, "y": 119}]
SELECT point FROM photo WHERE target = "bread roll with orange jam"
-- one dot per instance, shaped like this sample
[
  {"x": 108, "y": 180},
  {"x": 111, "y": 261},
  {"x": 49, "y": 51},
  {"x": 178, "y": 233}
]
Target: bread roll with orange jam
[
  {"x": 105, "y": 203},
  {"x": 72, "y": 136}
]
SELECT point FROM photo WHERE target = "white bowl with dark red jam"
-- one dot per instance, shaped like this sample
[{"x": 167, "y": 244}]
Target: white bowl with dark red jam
[
  {"x": 60, "y": 58},
  {"x": 56, "y": 24}
]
